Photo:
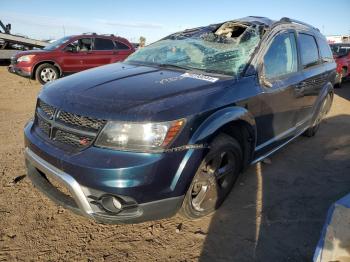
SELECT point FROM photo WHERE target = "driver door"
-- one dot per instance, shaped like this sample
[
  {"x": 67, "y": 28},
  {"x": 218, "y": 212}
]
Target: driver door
[{"x": 77, "y": 55}]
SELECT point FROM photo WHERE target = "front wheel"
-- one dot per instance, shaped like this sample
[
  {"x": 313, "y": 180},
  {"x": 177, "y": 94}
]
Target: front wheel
[
  {"x": 46, "y": 73},
  {"x": 214, "y": 178}
]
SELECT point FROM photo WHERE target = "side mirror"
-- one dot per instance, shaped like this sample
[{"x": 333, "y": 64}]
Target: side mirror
[{"x": 262, "y": 77}]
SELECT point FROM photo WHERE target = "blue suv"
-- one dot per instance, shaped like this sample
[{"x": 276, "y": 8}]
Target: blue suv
[{"x": 170, "y": 129}]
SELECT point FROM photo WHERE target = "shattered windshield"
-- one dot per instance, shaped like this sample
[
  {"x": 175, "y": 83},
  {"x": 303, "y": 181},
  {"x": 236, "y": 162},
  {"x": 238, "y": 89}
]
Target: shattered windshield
[{"x": 225, "y": 51}]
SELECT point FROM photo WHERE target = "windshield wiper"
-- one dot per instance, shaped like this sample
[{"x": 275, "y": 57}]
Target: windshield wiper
[{"x": 174, "y": 66}]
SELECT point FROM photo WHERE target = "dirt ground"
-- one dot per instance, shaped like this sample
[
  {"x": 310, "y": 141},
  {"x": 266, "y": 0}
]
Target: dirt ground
[{"x": 275, "y": 213}]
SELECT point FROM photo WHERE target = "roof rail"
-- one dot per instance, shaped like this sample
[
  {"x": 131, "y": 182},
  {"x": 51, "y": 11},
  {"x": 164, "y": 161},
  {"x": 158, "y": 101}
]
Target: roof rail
[{"x": 290, "y": 20}]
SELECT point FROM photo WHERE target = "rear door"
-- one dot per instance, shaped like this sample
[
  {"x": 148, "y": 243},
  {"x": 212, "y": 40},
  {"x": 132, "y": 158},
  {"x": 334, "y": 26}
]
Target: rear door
[
  {"x": 280, "y": 77},
  {"x": 103, "y": 51},
  {"x": 314, "y": 75}
]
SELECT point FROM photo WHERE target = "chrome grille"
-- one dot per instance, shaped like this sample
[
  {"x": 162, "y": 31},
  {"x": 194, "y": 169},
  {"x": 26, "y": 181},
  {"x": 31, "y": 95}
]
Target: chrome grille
[
  {"x": 47, "y": 109},
  {"x": 72, "y": 139},
  {"x": 80, "y": 121},
  {"x": 44, "y": 126},
  {"x": 65, "y": 128}
]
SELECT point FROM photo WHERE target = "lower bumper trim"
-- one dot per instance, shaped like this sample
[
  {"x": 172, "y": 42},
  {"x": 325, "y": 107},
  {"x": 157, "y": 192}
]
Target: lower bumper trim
[
  {"x": 79, "y": 203},
  {"x": 18, "y": 71}
]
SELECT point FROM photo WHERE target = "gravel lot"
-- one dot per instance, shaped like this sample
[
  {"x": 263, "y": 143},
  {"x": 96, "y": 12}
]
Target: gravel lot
[{"x": 275, "y": 213}]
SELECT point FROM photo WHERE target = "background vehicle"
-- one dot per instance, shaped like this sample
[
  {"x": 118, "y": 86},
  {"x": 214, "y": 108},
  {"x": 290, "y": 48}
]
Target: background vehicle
[
  {"x": 171, "y": 128},
  {"x": 341, "y": 53},
  {"x": 70, "y": 54},
  {"x": 11, "y": 44}
]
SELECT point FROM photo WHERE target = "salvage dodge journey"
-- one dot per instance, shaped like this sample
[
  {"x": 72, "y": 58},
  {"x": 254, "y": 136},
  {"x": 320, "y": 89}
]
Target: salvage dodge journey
[{"x": 170, "y": 129}]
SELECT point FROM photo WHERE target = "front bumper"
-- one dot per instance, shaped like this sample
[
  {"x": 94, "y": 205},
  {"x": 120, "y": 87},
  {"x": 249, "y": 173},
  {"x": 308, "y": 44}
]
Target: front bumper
[
  {"x": 18, "y": 71},
  {"x": 151, "y": 185},
  {"x": 78, "y": 201}
]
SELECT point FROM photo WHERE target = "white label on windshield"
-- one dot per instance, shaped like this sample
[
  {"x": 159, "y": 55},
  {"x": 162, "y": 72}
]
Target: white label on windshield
[{"x": 201, "y": 77}]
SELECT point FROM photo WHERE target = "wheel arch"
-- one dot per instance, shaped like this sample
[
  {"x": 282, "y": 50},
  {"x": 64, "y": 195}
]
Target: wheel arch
[
  {"x": 236, "y": 122},
  {"x": 327, "y": 89},
  {"x": 45, "y": 62}
]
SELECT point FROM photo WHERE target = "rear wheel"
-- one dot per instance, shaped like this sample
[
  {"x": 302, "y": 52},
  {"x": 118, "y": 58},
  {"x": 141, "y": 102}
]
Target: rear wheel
[
  {"x": 324, "y": 108},
  {"x": 46, "y": 73},
  {"x": 214, "y": 178}
]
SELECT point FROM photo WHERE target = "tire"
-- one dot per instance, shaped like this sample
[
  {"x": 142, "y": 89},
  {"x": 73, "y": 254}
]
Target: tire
[
  {"x": 214, "y": 178},
  {"x": 46, "y": 73},
  {"x": 323, "y": 110}
]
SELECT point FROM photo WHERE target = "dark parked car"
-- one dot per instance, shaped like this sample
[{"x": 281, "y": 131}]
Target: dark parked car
[
  {"x": 69, "y": 55},
  {"x": 341, "y": 53},
  {"x": 171, "y": 128}
]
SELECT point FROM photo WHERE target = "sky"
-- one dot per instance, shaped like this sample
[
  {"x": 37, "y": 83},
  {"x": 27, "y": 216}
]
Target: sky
[{"x": 156, "y": 19}]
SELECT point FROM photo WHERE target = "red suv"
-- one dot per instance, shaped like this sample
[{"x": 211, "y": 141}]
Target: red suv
[
  {"x": 70, "y": 54},
  {"x": 341, "y": 54}
]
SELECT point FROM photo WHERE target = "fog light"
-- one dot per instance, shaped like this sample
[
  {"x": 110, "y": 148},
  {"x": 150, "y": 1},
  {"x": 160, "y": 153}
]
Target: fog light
[
  {"x": 111, "y": 203},
  {"x": 116, "y": 203}
]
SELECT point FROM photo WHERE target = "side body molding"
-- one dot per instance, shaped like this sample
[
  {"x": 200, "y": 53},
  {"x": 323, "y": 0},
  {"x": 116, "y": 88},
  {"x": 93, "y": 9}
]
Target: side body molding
[{"x": 221, "y": 118}]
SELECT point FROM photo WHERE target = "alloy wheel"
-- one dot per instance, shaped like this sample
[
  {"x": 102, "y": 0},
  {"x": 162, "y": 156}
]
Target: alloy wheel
[
  {"x": 213, "y": 182},
  {"x": 48, "y": 75}
]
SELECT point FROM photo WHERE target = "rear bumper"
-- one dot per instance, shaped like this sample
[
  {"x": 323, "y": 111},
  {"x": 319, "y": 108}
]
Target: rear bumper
[
  {"x": 19, "y": 71},
  {"x": 79, "y": 200}
]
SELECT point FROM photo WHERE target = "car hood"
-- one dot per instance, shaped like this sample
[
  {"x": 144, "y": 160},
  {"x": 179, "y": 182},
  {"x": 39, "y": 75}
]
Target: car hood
[
  {"x": 124, "y": 91},
  {"x": 31, "y": 52}
]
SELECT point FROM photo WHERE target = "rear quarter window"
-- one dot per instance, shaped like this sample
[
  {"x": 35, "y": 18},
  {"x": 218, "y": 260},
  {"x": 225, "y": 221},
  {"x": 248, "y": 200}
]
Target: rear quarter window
[
  {"x": 325, "y": 50},
  {"x": 308, "y": 50},
  {"x": 121, "y": 46}
]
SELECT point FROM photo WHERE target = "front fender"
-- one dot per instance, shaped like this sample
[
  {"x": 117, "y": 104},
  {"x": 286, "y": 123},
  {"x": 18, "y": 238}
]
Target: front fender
[
  {"x": 220, "y": 118},
  {"x": 208, "y": 128},
  {"x": 32, "y": 75}
]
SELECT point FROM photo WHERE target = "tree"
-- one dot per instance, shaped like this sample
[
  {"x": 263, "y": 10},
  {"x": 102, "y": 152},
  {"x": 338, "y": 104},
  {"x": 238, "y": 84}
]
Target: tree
[{"x": 142, "y": 41}]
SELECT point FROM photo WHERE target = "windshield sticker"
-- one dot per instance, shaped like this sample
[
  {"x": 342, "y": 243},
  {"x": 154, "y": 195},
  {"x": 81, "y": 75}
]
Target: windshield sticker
[{"x": 201, "y": 77}]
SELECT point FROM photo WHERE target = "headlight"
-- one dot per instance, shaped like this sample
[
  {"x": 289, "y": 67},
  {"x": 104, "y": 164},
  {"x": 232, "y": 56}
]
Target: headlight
[
  {"x": 141, "y": 137},
  {"x": 25, "y": 58}
]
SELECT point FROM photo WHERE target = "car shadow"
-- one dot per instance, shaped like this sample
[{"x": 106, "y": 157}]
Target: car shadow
[
  {"x": 277, "y": 210},
  {"x": 4, "y": 62},
  {"x": 344, "y": 91}
]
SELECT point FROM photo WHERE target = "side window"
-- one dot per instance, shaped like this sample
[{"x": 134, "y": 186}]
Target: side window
[
  {"x": 325, "y": 50},
  {"x": 281, "y": 58},
  {"x": 120, "y": 46},
  {"x": 308, "y": 50},
  {"x": 103, "y": 44},
  {"x": 81, "y": 45}
]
